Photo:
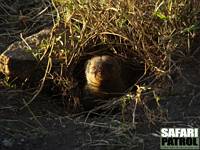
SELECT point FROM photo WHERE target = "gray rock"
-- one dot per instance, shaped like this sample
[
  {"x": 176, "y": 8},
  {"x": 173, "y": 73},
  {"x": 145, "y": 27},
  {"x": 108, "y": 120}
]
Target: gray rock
[{"x": 18, "y": 61}]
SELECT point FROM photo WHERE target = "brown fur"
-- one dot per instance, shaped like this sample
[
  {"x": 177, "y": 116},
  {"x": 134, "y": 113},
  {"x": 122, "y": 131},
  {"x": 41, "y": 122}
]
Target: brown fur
[{"x": 103, "y": 75}]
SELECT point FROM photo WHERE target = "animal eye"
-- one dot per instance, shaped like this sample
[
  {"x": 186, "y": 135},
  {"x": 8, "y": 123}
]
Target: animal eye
[{"x": 93, "y": 67}]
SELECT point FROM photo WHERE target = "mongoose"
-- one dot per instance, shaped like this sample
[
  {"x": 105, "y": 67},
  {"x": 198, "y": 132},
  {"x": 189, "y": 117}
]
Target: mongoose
[{"x": 103, "y": 77}]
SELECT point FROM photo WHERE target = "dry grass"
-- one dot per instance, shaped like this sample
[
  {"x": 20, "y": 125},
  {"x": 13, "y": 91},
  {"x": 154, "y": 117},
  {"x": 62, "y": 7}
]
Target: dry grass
[{"x": 151, "y": 31}]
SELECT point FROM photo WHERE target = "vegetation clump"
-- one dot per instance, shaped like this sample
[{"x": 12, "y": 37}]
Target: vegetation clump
[{"x": 152, "y": 33}]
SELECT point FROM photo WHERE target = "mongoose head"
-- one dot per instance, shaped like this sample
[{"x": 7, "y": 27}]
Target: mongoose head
[{"x": 101, "y": 69}]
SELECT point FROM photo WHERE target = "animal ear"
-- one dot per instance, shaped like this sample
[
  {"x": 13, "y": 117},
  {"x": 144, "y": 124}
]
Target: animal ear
[{"x": 86, "y": 65}]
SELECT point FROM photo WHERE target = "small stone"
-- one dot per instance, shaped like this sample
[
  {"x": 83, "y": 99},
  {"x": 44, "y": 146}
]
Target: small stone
[
  {"x": 22, "y": 140},
  {"x": 8, "y": 142},
  {"x": 63, "y": 126}
]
